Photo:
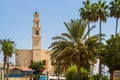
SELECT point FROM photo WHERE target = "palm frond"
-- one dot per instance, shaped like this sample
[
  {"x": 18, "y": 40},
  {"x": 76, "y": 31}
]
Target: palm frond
[{"x": 88, "y": 32}]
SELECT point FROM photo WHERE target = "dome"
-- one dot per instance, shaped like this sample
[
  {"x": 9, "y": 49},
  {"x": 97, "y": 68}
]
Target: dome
[{"x": 36, "y": 14}]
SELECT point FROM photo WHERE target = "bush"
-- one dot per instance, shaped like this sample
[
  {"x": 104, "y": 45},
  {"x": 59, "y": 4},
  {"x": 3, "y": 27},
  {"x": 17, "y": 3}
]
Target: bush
[
  {"x": 96, "y": 77},
  {"x": 71, "y": 73}
]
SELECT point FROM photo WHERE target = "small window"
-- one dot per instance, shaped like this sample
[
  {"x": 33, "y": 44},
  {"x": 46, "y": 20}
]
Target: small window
[
  {"x": 37, "y": 32},
  {"x": 44, "y": 62},
  {"x": 31, "y": 61},
  {"x": 117, "y": 74}
]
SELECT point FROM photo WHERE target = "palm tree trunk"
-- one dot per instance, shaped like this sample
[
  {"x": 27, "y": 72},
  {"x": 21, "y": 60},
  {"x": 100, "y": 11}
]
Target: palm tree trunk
[
  {"x": 89, "y": 29},
  {"x": 100, "y": 64},
  {"x": 78, "y": 72},
  {"x": 116, "y": 26},
  {"x": 5, "y": 66},
  {"x": 111, "y": 76},
  {"x": 100, "y": 70}
]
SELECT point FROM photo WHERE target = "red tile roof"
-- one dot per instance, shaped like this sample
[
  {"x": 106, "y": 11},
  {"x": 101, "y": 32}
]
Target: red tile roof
[{"x": 21, "y": 68}]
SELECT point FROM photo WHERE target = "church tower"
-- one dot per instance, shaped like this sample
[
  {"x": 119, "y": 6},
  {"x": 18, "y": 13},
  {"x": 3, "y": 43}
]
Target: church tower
[
  {"x": 25, "y": 57},
  {"x": 36, "y": 36}
]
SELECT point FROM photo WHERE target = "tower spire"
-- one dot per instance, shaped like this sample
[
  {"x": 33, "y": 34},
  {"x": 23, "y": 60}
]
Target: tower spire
[
  {"x": 36, "y": 9},
  {"x": 36, "y": 37}
]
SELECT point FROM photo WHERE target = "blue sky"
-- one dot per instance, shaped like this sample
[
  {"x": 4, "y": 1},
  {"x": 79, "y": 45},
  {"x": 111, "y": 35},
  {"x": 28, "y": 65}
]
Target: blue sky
[{"x": 16, "y": 20}]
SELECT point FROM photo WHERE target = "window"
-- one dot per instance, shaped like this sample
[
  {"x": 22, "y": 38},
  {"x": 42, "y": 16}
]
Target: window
[
  {"x": 44, "y": 62},
  {"x": 37, "y": 32},
  {"x": 117, "y": 74},
  {"x": 31, "y": 61}
]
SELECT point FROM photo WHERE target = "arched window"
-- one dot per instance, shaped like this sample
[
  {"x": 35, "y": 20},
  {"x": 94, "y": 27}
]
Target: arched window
[{"x": 37, "y": 32}]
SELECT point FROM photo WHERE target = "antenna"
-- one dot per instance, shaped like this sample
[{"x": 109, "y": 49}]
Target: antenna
[{"x": 36, "y": 9}]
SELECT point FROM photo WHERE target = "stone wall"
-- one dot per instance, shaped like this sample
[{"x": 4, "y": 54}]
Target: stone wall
[{"x": 24, "y": 57}]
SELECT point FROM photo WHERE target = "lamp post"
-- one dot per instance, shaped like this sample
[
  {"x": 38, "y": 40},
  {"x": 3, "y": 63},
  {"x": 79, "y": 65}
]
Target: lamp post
[{"x": 47, "y": 75}]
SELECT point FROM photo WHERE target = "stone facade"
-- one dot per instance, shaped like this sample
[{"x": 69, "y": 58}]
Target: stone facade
[{"x": 25, "y": 57}]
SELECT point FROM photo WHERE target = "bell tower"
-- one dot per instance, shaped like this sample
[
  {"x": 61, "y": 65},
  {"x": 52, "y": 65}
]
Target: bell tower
[{"x": 36, "y": 36}]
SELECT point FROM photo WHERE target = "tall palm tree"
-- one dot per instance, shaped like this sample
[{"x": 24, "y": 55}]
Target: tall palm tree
[
  {"x": 73, "y": 47},
  {"x": 86, "y": 13},
  {"x": 101, "y": 13},
  {"x": 8, "y": 48},
  {"x": 115, "y": 11}
]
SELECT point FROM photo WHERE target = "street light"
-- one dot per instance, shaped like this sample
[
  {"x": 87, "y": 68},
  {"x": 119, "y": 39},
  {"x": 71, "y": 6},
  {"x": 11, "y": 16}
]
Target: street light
[{"x": 47, "y": 75}]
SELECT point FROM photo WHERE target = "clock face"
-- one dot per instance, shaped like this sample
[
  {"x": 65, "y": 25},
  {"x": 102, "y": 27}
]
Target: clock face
[{"x": 37, "y": 41}]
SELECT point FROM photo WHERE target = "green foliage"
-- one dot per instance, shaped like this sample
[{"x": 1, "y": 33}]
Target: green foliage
[
  {"x": 113, "y": 53},
  {"x": 38, "y": 67},
  {"x": 73, "y": 47},
  {"x": 71, "y": 73},
  {"x": 8, "y": 47},
  {"x": 84, "y": 71},
  {"x": 115, "y": 11},
  {"x": 115, "y": 8},
  {"x": 0, "y": 77},
  {"x": 96, "y": 77}
]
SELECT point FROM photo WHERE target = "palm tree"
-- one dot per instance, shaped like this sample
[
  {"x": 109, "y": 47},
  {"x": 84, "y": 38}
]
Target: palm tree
[
  {"x": 101, "y": 13},
  {"x": 115, "y": 11},
  {"x": 8, "y": 48},
  {"x": 86, "y": 13},
  {"x": 72, "y": 46}
]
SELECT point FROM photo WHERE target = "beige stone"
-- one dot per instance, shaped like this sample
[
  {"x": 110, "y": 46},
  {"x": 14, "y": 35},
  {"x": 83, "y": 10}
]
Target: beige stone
[{"x": 25, "y": 57}]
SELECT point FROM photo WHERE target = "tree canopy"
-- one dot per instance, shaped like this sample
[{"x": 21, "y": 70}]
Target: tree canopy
[{"x": 38, "y": 68}]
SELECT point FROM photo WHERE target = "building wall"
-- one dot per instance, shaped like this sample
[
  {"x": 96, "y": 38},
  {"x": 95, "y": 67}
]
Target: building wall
[
  {"x": 45, "y": 58},
  {"x": 43, "y": 55},
  {"x": 36, "y": 55},
  {"x": 24, "y": 57}
]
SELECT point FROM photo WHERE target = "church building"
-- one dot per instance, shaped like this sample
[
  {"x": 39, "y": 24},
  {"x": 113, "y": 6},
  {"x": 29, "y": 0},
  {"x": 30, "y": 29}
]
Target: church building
[{"x": 25, "y": 57}]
